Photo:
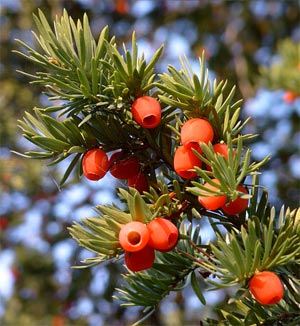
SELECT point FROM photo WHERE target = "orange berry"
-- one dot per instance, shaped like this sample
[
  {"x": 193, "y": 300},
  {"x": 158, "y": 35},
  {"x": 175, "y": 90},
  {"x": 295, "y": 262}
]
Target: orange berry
[
  {"x": 194, "y": 131},
  {"x": 184, "y": 161},
  {"x": 140, "y": 260},
  {"x": 122, "y": 167},
  {"x": 134, "y": 236},
  {"x": 236, "y": 206},
  {"x": 221, "y": 149},
  {"x": 122, "y": 7},
  {"x": 212, "y": 202},
  {"x": 163, "y": 234},
  {"x": 289, "y": 97},
  {"x": 95, "y": 164},
  {"x": 139, "y": 182},
  {"x": 266, "y": 287},
  {"x": 146, "y": 111}
]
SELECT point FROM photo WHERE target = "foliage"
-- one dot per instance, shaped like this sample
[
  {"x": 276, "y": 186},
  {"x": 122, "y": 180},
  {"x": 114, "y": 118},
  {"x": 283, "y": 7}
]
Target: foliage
[
  {"x": 198, "y": 97},
  {"x": 284, "y": 72},
  {"x": 101, "y": 234},
  {"x": 257, "y": 247},
  {"x": 248, "y": 312}
]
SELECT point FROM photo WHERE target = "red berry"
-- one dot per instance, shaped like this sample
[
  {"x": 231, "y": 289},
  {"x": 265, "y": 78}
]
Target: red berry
[
  {"x": 289, "y": 97},
  {"x": 139, "y": 182},
  {"x": 212, "y": 202},
  {"x": 122, "y": 167},
  {"x": 134, "y": 236},
  {"x": 194, "y": 131},
  {"x": 146, "y": 111},
  {"x": 140, "y": 260},
  {"x": 221, "y": 149},
  {"x": 237, "y": 206},
  {"x": 184, "y": 161},
  {"x": 163, "y": 234},
  {"x": 266, "y": 287},
  {"x": 122, "y": 7},
  {"x": 95, "y": 164}
]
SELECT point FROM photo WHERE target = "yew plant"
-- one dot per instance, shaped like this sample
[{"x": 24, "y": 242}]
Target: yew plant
[{"x": 177, "y": 141}]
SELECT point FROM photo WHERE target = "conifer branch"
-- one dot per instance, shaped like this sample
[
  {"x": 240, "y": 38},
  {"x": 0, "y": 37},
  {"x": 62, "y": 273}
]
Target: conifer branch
[{"x": 96, "y": 85}]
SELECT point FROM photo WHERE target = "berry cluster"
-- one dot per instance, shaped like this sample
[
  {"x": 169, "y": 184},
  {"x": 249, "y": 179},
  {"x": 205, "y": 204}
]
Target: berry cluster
[
  {"x": 140, "y": 241},
  {"x": 146, "y": 111},
  {"x": 194, "y": 132}
]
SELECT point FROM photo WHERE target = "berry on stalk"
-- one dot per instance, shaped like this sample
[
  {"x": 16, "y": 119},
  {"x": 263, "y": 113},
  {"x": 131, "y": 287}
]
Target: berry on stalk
[
  {"x": 212, "y": 202},
  {"x": 163, "y": 234},
  {"x": 95, "y": 164},
  {"x": 122, "y": 167},
  {"x": 238, "y": 205},
  {"x": 140, "y": 260},
  {"x": 139, "y": 182},
  {"x": 146, "y": 111},
  {"x": 134, "y": 236},
  {"x": 266, "y": 287},
  {"x": 184, "y": 161},
  {"x": 194, "y": 131}
]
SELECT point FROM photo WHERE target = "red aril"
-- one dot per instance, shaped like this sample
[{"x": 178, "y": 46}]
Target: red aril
[
  {"x": 140, "y": 260},
  {"x": 146, "y": 111},
  {"x": 134, "y": 236},
  {"x": 95, "y": 164},
  {"x": 266, "y": 287},
  {"x": 163, "y": 234},
  {"x": 122, "y": 166},
  {"x": 194, "y": 131},
  {"x": 211, "y": 201},
  {"x": 238, "y": 205},
  {"x": 139, "y": 182},
  {"x": 184, "y": 161}
]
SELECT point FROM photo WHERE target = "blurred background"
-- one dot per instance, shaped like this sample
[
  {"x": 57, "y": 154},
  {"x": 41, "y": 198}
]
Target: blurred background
[{"x": 37, "y": 284}]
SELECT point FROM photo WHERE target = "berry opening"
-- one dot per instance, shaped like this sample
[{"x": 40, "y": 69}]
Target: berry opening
[
  {"x": 149, "y": 120},
  {"x": 134, "y": 238},
  {"x": 193, "y": 145}
]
